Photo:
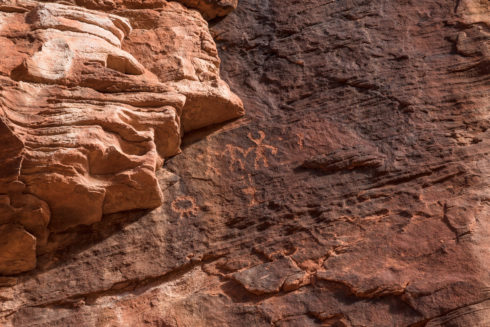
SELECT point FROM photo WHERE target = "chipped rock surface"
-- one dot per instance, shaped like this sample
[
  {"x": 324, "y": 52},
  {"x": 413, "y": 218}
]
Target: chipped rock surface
[
  {"x": 354, "y": 192},
  {"x": 268, "y": 277}
]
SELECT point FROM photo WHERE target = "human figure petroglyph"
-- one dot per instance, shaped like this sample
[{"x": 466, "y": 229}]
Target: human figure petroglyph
[
  {"x": 238, "y": 161},
  {"x": 238, "y": 155},
  {"x": 260, "y": 149}
]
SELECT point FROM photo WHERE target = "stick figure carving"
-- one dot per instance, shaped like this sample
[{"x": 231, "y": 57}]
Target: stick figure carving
[{"x": 260, "y": 150}]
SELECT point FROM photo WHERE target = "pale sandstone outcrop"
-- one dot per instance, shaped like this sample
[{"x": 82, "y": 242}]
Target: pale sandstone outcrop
[{"x": 86, "y": 124}]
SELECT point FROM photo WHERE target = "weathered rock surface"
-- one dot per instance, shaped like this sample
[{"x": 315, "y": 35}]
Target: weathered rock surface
[{"x": 353, "y": 193}]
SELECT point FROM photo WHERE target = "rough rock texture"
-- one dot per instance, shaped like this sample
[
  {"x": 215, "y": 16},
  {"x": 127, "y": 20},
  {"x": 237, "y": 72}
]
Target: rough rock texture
[{"x": 353, "y": 193}]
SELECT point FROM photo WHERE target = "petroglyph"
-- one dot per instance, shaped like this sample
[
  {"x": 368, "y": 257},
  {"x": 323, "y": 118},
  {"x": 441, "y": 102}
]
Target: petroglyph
[
  {"x": 239, "y": 155},
  {"x": 260, "y": 150},
  {"x": 185, "y": 206}
]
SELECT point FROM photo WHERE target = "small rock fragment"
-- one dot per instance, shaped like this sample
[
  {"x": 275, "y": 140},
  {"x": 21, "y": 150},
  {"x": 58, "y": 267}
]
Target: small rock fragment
[{"x": 267, "y": 277}]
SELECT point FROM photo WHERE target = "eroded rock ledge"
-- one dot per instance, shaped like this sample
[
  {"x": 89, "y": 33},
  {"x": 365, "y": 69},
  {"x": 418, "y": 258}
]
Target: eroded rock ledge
[{"x": 84, "y": 124}]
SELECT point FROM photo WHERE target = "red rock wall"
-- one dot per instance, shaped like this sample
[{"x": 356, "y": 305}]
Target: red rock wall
[{"x": 354, "y": 192}]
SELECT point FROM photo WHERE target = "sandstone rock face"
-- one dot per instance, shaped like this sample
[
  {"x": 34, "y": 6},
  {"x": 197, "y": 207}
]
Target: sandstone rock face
[{"x": 353, "y": 193}]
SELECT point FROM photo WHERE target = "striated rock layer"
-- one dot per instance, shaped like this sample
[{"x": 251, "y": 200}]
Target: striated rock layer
[{"x": 353, "y": 193}]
